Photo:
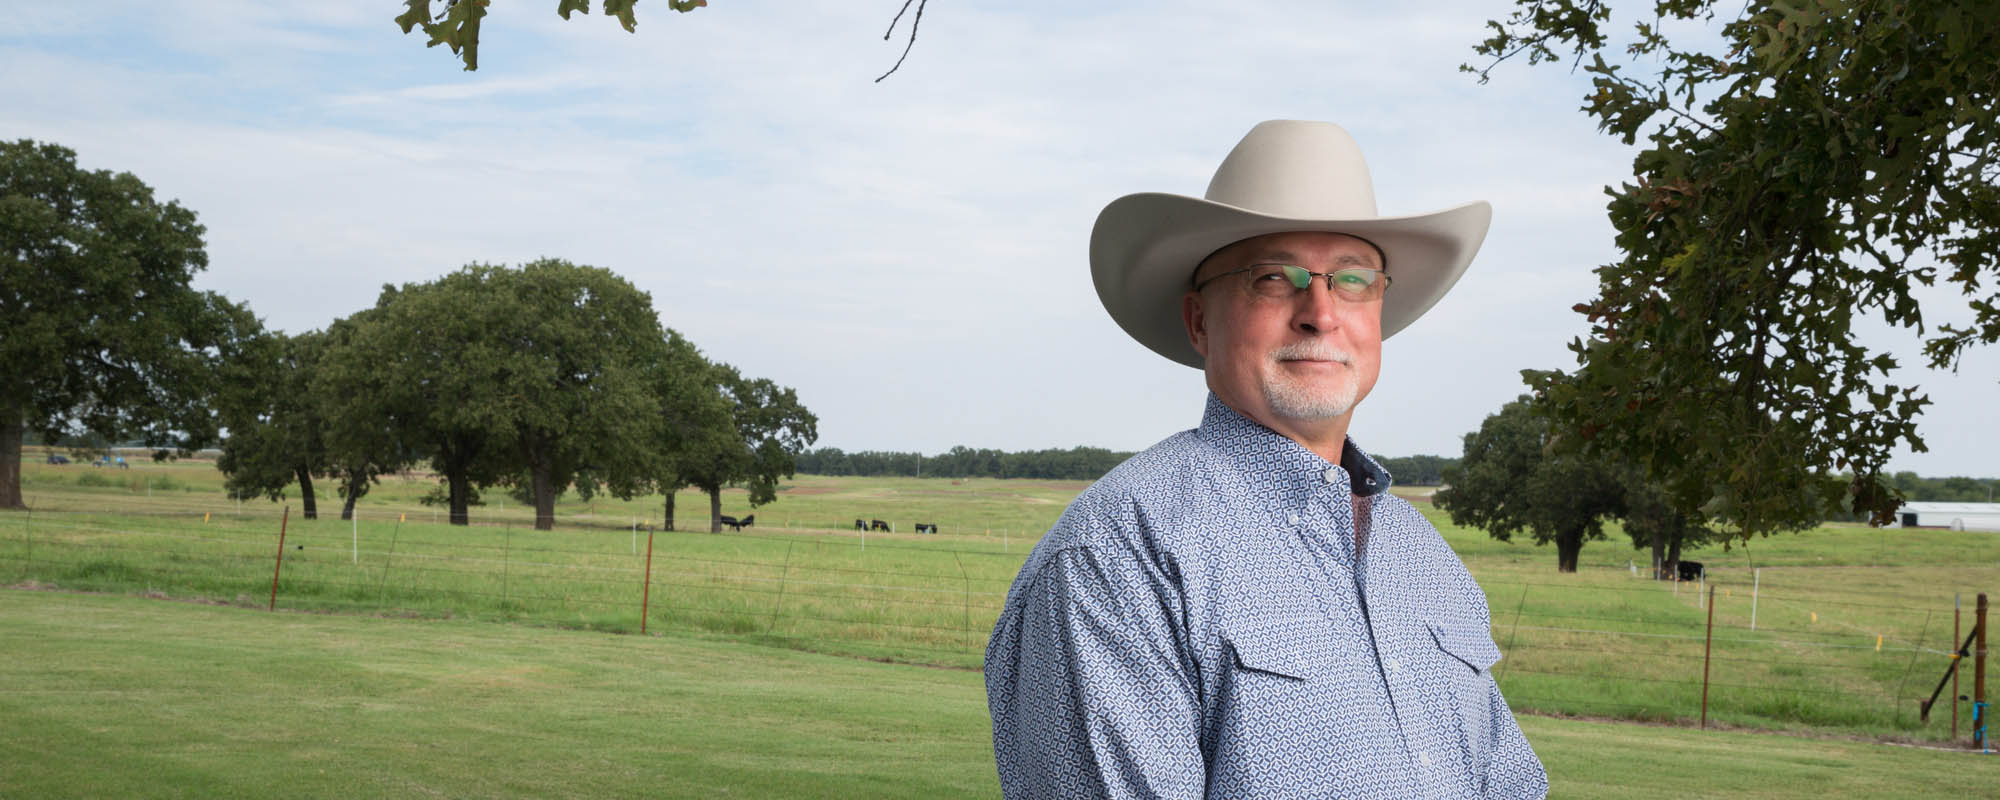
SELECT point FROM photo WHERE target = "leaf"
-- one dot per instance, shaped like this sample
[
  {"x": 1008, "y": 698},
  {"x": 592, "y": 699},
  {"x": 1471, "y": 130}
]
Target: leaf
[
  {"x": 622, "y": 9},
  {"x": 565, "y": 6},
  {"x": 419, "y": 13}
]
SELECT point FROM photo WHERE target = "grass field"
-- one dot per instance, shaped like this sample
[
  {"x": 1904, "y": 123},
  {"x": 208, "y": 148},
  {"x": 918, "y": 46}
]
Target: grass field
[
  {"x": 118, "y": 696},
  {"x": 1851, "y": 631}
]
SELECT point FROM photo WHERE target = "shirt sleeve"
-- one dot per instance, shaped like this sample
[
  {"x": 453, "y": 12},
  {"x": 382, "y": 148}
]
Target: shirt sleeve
[
  {"x": 1513, "y": 771},
  {"x": 1091, "y": 692}
]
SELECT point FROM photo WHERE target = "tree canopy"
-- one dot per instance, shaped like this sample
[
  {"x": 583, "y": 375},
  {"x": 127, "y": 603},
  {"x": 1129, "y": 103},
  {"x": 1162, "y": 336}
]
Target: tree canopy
[
  {"x": 1509, "y": 482},
  {"x": 771, "y": 429},
  {"x": 102, "y": 330},
  {"x": 1824, "y": 161},
  {"x": 528, "y": 377},
  {"x": 275, "y": 427},
  {"x": 457, "y": 26}
]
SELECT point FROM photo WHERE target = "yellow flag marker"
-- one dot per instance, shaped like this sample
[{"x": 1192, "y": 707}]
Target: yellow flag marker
[
  {"x": 404, "y": 518},
  {"x": 204, "y": 516},
  {"x": 1815, "y": 615},
  {"x": 1878, "y": 643}
]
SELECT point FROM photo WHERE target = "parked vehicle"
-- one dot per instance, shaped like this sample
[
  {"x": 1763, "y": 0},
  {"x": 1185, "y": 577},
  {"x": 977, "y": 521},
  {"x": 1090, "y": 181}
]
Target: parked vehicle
[{"x": 55, "y": 458}]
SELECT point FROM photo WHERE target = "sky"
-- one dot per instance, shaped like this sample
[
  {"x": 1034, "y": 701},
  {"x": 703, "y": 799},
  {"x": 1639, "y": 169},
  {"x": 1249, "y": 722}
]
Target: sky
[{"x": 910, "y": 255}]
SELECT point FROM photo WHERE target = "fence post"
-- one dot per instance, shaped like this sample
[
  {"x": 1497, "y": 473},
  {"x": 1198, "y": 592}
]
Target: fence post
[
  {"x": 1954, "y": 673},
  {"x": 354, "y": 518},
  {"x": 1756, "y": 580},
  {"x": 646, "y": 594},
  {"x": 506, "y": 565},
  {"x": 1979, "y": 670},
  {"x": 382, "y": 588},
  {"x": 1708, "y": 643},
  {"x": 779, "y": 607},
  {"x": 280, "y": 567}
]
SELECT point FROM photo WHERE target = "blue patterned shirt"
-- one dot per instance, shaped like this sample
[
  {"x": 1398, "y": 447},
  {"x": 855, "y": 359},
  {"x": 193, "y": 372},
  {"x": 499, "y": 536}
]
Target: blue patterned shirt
[{"x": 1200, "y": 623}]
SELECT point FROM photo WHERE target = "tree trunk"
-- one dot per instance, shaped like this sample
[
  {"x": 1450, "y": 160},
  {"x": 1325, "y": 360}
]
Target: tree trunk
[
  {"x": 308, "y": 504},
  {"x": 715, "y": 510},
  {"x": 1568, "y": 545},
  {"x": 545, "y": 497},
  {"x": 461, "y": 496},
  {"x": 1674, "y": 559},
  {"x": 347, "y": 507},
  {"x": 670, "y": 510},
  {"x": 10, "y": 460},
  {"x": 1659, "y": 555}
]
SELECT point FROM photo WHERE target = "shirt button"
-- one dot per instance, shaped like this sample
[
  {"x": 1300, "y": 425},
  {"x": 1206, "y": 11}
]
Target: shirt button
[
  {"x": 1424, "y": 757},
  {"x": 1395, "y": 666},
  {"x": 1331, "y": 475},
  {"x": 1292, "y": 518}
]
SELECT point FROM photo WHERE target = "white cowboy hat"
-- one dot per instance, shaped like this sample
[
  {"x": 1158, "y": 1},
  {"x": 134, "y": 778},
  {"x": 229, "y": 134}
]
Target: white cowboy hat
[{"x": 1285, "y": 175}]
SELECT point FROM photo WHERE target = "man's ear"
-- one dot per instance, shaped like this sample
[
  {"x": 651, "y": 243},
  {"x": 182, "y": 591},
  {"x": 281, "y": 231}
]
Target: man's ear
[{"x": 1195, "y": 317}]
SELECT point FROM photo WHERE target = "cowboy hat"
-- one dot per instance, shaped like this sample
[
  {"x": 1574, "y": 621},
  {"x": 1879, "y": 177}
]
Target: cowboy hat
[{"x": 1285, "y": 175}]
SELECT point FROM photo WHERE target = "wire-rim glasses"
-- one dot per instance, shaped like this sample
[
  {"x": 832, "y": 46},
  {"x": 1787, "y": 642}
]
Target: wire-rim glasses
[{"x": 1353, "y": 284}]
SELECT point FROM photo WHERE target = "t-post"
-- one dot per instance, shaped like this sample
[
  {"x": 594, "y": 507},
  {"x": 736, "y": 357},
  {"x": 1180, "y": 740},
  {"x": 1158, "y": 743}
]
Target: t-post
[{"x": 1979, "y": 670}]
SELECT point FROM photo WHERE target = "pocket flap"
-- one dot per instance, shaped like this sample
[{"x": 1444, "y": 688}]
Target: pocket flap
[
  {"x": 1295, "y": 647},
  {"x": 1472, "y": 644}
]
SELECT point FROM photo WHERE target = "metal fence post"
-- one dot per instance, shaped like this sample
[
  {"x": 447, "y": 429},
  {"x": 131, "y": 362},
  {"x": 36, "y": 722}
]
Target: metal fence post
[
  {"x": 1954, "y": 673},
  {"x": 382, "y": 588},
  {"x": 280, "y": 566},
  {"x": 1979, "y": 669},
  {"x": 1707, "y": 646},
  {"x": 646, "y": 594}
]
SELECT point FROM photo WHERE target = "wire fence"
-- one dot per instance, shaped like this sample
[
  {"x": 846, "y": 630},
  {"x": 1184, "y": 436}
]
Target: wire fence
[{"x": 1772, "y": 651}]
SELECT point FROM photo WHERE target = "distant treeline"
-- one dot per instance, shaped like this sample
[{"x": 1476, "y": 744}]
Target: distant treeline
[
  {"x": 1946, "y": 490},
  {"x": 1077, "y": 463}
]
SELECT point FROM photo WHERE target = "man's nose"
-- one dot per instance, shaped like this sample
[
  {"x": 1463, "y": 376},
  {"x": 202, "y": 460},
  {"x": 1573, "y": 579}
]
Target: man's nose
[{"x": 1315, "y": 310}]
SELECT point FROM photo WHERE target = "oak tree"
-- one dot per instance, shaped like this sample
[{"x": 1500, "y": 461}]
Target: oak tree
[
  {"x": 1813, "y": 168},
  {"x": 100, "y": 329},
  {"x": 1509, "y": 481}
]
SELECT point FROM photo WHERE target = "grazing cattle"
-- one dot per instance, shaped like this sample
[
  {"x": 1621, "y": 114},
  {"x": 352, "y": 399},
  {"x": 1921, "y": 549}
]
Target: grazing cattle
[
  {"x": 860, "y": 525},
  {"x": 1690, "y": 570},
  {"x": 739, "y": 524},
  {"x": 877, "y": 525},
  {"x": 725, "y": 519},
  {"x": 927, "y": 527}
]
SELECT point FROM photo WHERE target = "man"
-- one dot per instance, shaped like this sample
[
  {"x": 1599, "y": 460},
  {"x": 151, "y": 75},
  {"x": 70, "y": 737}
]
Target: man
[{"x": 1243, "y": 610}]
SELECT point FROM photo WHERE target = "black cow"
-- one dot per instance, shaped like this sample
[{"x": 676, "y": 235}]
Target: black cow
[
  {"x": 730, "y": 521},
  {"x": 877, "y": 525},
  {"x": 860, "y": 525},
  {"x": 739, "y": 524},
  {"x": 1690, "y": 570},
  {"x": 927, "y": 527}
]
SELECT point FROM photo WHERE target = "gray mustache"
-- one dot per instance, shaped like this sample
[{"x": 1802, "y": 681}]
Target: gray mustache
[{"x": 1312, "y": 350}]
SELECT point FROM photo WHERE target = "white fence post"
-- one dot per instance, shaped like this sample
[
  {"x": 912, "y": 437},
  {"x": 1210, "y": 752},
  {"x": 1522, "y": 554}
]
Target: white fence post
[
  {"x": 355, "y": 518},
  {"x": 1756, "y": 579}
]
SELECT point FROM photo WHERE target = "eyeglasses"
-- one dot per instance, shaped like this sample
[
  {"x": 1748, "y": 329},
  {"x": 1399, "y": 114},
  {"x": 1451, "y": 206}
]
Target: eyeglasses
[{"x": 1353, "y": 284}]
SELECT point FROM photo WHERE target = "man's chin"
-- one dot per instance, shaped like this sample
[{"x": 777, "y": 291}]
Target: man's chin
[{"x": 1313, "y": 406}]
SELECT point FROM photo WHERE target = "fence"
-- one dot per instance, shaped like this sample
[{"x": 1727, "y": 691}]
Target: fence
[
  {"x": 1769, "y": 650},
  {"x": 1761, "y": 654}
]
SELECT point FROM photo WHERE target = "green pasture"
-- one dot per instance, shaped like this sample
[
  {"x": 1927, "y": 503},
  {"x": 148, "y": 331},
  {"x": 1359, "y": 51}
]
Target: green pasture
[
  {"x": 114, "y": 696},
  {"x": 1852, "y": 624},
  {"x": 978, "y": 508}
]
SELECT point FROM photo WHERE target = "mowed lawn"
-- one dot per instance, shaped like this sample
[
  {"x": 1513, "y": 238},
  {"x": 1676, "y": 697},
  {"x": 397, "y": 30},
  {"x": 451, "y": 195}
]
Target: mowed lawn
[{"x": 135, "y": 697}]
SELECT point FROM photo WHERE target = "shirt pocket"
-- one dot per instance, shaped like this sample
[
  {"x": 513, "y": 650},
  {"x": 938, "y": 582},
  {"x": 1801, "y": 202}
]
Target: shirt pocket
[
  {"x": 1296, "y": 648},
  {"x": 1467, "y": 654}
]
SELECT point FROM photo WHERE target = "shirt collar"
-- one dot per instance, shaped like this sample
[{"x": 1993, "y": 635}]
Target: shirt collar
[{"x": 1272, "y": 457}]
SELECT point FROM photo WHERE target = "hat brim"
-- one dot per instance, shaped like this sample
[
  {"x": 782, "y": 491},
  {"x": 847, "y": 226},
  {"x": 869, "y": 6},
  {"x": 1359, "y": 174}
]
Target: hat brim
[{"x": 1145, "y": 248}]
